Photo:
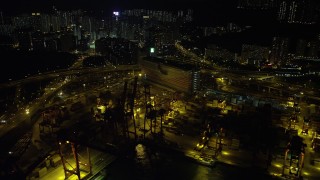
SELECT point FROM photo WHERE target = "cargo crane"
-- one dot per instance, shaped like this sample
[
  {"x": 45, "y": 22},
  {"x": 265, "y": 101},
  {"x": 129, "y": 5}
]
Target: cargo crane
[
  {"x": 294, "y": 158},
  {"x": 129, "y": 111},
  {"x": 52, "y": 118},
  {"x": 74, "y": 150},
  {"x": 161, "y": 112},
  {"x": 114, "y": 116},
  {"x": 109, "y": 119},
  {"x": 123, "y": 113},
  {"x": 73, "y": 163},
  {"x": 121, "y": 110},
  {"x": 150, "y": 112},
  {"x": 147, "y": 95}
]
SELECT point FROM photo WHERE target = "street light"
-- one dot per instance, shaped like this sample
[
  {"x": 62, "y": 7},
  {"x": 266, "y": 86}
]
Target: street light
[{"x": 27, "y": 111}]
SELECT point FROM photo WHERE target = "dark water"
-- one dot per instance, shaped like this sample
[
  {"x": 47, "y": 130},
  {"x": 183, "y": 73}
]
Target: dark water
[{"x": 157, "y": 165}]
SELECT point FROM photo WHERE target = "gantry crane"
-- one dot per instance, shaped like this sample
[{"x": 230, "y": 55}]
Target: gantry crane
[
  {"x": 150, "y": 112},
  {"x": 124, "y": 112},
  {"x": 73, "y": 163},
  {"x": 129, "y": 111},
  {"x": 51, "y": 118},
  {"x": 294, "y": 157}
]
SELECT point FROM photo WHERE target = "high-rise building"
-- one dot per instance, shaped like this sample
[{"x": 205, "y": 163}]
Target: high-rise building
[
  {"x": 183, "y": 78},
  {"x": 292, "y": 12},
  {"x": 67, "y": 42},
  {"x": 217, "y": 53},
  {"x": 6, "y": 42},
  {"x": 24, "y": 39},
  {"x": 254, "y": 54},
  {"x": 37, "y": 41},
  {"x": 6, "y": 29},
  {"x": 313, "y": 49},
  {"x": 279, "y": 50},
  {"x": 257, "y": 4},
  {"x": 297, "y": 11},
  {"x": 117, "y": 50},
  {"x": 282, "y": 11},
  {"x": 51, "y": 44},
  {"x": 307, "y": 49}
]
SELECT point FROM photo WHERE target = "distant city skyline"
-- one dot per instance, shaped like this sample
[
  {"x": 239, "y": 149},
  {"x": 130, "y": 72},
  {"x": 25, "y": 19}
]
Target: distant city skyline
[
  {"x": 216, "y": 11},
  {"x": 203, "y": 8},
  {"x": 73, "y": 4}
]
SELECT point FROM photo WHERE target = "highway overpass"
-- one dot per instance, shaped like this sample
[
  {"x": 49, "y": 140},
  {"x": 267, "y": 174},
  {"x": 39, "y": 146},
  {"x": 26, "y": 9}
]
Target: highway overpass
[{"x": 67, "y": 72}]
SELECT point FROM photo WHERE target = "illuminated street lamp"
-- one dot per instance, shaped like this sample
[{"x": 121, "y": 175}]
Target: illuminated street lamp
[{"x": 27, "y": 111}]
